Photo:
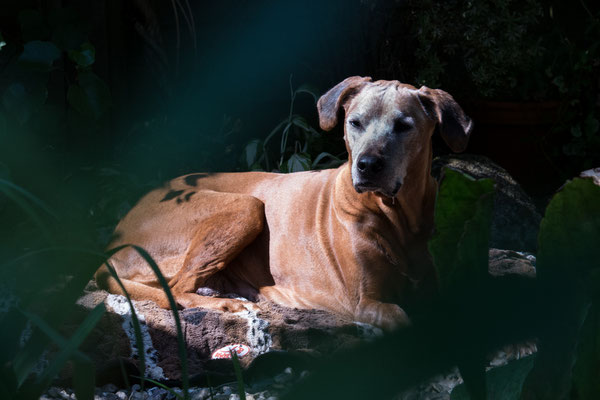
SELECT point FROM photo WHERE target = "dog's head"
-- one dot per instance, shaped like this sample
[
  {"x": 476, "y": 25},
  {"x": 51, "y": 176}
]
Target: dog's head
[{"x": 388, "y": 127}]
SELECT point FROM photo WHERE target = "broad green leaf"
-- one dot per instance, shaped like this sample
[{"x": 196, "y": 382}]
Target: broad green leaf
[
  {"x": 333, "y": 161},
  {"x": 251, "y": 152},
  {"x": 586, "y": 384},
  {"x": 298, "y": 162},
  {"x": 303, "y": 124},
  {"x": 84, "y": 56},
  {"x": 463, "y": 215},
  {"x": 91, "y": 96},
  {"x": 39, "y": 55},
  {"x": 569, "y": 237}
]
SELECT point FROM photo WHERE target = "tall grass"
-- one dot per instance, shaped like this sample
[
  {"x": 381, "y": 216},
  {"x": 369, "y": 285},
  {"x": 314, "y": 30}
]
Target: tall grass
[{"x": 40, "y": 288}]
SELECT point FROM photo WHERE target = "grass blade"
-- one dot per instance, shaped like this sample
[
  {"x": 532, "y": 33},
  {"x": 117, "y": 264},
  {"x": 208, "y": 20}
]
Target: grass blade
[
  {"x": 22, "y": 198},
  {"x": 137, "y": 329},
  {"x": 68, "y": 347},
  {"x": 238, "y": 374}
]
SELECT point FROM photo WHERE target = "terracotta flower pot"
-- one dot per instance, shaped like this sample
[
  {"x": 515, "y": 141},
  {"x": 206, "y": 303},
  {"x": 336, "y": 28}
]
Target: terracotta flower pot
[{"x": 514, "y": 135}]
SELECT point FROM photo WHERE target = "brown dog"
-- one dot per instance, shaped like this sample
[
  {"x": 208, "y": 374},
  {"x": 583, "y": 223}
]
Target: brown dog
[{"x": 351, "y": 240}]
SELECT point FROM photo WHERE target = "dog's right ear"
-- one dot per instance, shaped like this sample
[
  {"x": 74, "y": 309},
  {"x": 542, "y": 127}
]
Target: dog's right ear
[{"x": 330, "y": 103}]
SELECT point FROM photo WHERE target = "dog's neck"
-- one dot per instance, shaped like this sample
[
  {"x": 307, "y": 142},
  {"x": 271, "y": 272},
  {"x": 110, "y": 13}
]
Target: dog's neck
[{"x": 412, "y": 206}]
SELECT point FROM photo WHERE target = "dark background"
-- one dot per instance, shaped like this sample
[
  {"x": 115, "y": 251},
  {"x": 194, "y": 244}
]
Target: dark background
[{"x": 184, "y": 86}]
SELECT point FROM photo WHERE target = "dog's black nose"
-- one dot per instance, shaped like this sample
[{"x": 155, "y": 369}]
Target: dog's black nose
[{"x": 370, "y": 165}]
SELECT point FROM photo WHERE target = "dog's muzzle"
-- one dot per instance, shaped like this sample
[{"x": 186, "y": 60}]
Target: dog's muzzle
[{"x": 370, "y": 166}]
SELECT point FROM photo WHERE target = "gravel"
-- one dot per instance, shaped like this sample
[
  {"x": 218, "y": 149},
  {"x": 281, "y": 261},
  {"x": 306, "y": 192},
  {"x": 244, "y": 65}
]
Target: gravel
[{"x": 438, "y": 388}]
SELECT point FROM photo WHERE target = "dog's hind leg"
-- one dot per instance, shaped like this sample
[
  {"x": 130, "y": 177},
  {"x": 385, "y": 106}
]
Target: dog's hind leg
[
  {"x": 135, "y": 290},
  {"x": 218, "y": 240}
]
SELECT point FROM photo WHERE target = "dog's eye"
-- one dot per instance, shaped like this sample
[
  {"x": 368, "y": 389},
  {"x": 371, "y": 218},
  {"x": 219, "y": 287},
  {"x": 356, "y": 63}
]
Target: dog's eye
[
  {"x": 401, "y": 126},
  {"x": 355, "y": 123}
]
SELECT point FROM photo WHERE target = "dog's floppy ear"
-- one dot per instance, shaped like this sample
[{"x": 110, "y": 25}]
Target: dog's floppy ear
[
  {"x": 452, "y": 122},
  {"x": 329, "y": 104}
]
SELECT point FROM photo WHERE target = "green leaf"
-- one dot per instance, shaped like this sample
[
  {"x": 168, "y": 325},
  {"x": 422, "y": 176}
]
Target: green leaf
[
  {"x": 576, "y": 131},
  {"x": 302, "y": 123},
  {"x": 28, "y": 203},
  {"x": 569, "y": 237},
  {"x": 85, "y": 56},
  {"x": 137, "y": 330},
  {"x": 313, "y": 91},
  {"x": 334, "y": 160},
  {"x": 91, "y": 96},
  {"x": 238, "y": 375},
  {"x": 298, "y": 162},
  {"x": 586, "y": 384},
  {"x": 463, "y": 215},
  {"x": 251, "y": 152},
  {"x": 68, "y": 349},
  {"x": 39, "y": 56}
]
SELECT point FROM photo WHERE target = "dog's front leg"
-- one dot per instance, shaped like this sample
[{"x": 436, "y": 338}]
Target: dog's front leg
[{"x": 384, "y": 315}]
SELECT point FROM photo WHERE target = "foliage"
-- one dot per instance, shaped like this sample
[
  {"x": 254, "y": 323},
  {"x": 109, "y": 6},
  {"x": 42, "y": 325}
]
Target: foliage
[
  {"x": 463, "y": 216},
  {"x": 38, "y": 290},
  {"x": 297, "y": 144},
  {"x": 575, "y": 72},
  {"x": 33, "y": 350},
  {"x": 491, "y": 43},
  {"x": 567, "y": 262},
  {"x": 55, "y": 44}
]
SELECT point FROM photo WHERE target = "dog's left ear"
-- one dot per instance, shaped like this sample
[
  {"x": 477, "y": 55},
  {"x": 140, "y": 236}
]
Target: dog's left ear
[
  {"x": 452, "y": 122},
  {"x": 330, "y": 103}
]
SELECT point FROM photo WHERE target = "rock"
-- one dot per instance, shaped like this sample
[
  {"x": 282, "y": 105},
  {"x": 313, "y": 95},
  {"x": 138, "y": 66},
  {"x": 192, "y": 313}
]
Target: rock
[
  {"x": 279, "y": 340},
  {"x": 276, "y": 338},
  {"x": 592, "y": 173},
  {"x": 507, "y": 262},
  {"x": 200, "y": 394},
  {"x": 109, "y": 387},
  {"x": 516, "y": 221}
]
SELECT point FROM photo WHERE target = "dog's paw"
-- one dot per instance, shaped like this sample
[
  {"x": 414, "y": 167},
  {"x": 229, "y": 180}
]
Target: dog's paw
[
  {"x": 236, "y": 306},
  {"x": 386, "y": 316}
]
